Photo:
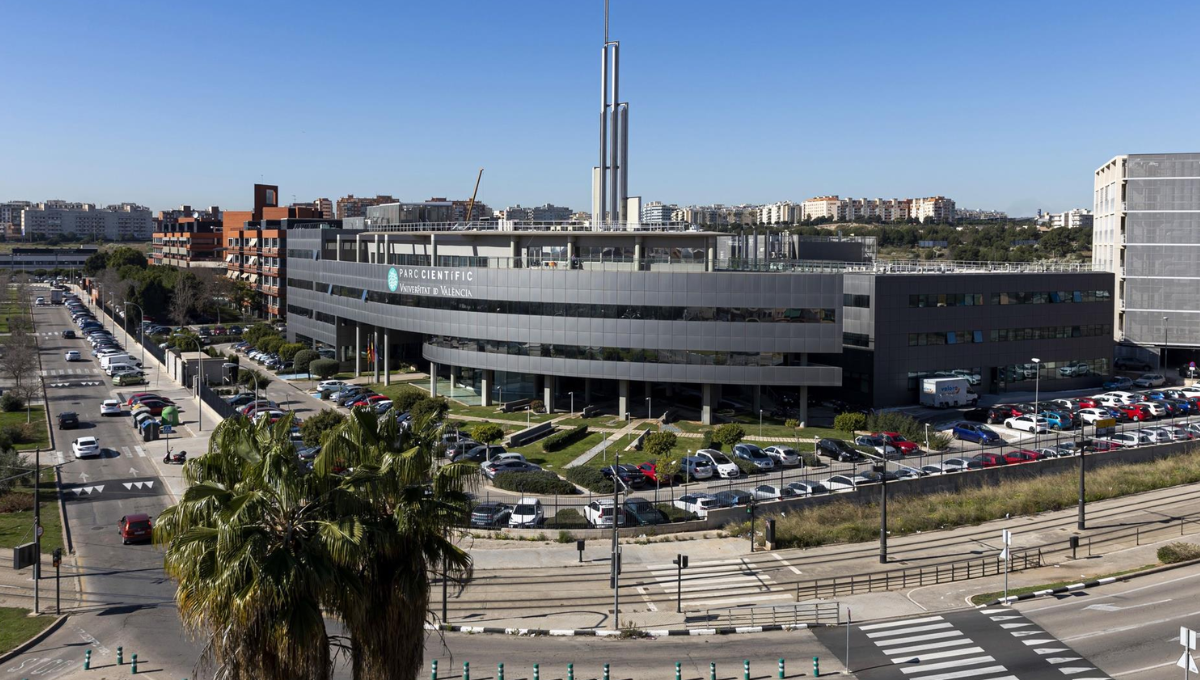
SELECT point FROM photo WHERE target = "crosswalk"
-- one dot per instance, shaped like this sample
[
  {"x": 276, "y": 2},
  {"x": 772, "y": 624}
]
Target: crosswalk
[
  {"x": 718, "y": 583},
  {"x": 140, "y": 452},
  {"x": 55, "y": 372},
  {"x": 936, "y": 648}
]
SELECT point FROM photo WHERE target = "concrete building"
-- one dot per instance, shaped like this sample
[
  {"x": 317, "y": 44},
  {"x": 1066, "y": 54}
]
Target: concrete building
[
  {"x": 124, "y": 222},
  {"x": 167, "y": 220},
  {"x": 32, "y": 259},
  {"x": 1147, "y": 233},
  {"x": 188, "y": 242},
  {"x": 542, "y": 213},
  {"x": 657, "y": 212},
  {"x": 932, "y": 209},
  {"x": 354, "y": 206},
  {"x": 10, "y": 216},
  {"x": 974, "y": 215},
  {"x": 824, "y": 207},
  {"x": 837, "y": 209},
  {"x": 1072, "y": 219},
  {"x": 783, "y": 212}
]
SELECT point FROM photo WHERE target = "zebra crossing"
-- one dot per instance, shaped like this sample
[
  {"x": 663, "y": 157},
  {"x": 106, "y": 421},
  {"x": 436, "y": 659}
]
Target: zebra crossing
[
  {"x": 717, "y": 583},
  {"x": 988, "y": 644},
  {"x": 55, "y": 372}
]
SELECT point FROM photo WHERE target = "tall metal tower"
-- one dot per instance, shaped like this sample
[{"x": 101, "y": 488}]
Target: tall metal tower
[{"x": 610, "y": 179}]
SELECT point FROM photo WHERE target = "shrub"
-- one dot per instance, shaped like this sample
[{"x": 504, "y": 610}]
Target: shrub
[
  {"x": 666, "y": 467},
  {"x": 541, "y": 482},
  {"x": 706, "y": 440},
  {"x": 537, "y": 406},
  {"x": 744, "y": 466},
  {"x": 568, "y": 518},
  {"x": 303, "y": 360},
  {"x": 675, "y": 514},
  {"x": 791, "y": 423},
  {"x": 729, "y": 434},
  {"x": 248, "y": 377},
  {"x": 590, "y": 478},
  {"x": 16, "y": 502},
  {"x": 561, "y": 440},
  {"x": 659, "y": 444},
  {"x": 257, "y": 332},
  {"x": 1178, "y": 552},
  {"x": 11, "y": 402},
  {"x": 407, "y": 398},
  {"x": 428, "y": 409},
  {"x": 850, "y": 423},
  {"x": 811, "y": 459},
  {"x": 289, "y": 350},
  {"x": 487, "y": 433},
  {"x": 270, "y": 344},
  {"x": 18, "y": 433},
  {"x": 564, "y": 536},
  {"x": 312, "y": 428},
  {"x": 323, "y": 368}
]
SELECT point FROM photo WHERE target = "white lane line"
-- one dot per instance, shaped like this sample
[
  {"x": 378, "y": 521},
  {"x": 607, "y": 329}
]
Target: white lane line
[
  {"x": 709, "y": 563},
  {"x": 1121, "y": 629},
  {"x": 942, "y": 655},
  {"x": 127, "y": 453},
  {"x": 58, "y": 456},
  {"x": 947, "y": 665},
  {"x": 893, "y": 624},
  {"x": 908, "y": 631},
  {"x": 936, "y": 645},
  {"x": 1125, "y": 593},
  {"x": 734, "y": 600},
  {"x": 1142, "y": 670},
  {"x": 971, "y": 674},
  {"x": 700, "y": 583},
  {"x": 140, "y": 451},
  {"x": 919, "y": 638},
  {"x": 786, "y": 563},
  {"x": 706, "y": 592},
  {"x": 646, "y": 597}
]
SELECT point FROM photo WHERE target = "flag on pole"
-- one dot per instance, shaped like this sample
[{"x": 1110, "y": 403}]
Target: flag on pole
[{"x": 371, "y": 351}]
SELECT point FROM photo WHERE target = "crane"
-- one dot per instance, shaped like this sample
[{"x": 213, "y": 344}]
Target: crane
[{"x": 471, "y": 205}]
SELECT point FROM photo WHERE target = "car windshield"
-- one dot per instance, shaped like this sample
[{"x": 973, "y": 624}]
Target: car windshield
[
  {"x": 140, "y": 525},
  {"x": 525, "y": 509},
  {"x": 706, "y": 502},
  {"x": 720, "y": 459},
  {"x": 985, "y": 429}
]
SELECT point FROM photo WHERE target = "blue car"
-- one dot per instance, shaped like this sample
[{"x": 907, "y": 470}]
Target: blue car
[
  {"x": 1118, "y": 383},
  {"x": 1058, "y": 421},
  {"x": 975, "y": 432}
]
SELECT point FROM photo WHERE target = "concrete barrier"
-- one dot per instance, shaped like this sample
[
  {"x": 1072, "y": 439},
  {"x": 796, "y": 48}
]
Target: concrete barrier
[{"x": 530, "y": 434}]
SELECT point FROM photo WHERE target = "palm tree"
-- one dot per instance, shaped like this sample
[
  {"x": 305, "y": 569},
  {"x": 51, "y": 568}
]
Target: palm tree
[
  {"x": 413, "y": 506},
  {"x": 256, "y": 552}
]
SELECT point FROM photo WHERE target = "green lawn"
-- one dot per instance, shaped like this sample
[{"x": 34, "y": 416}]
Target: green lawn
[
  {"x": 491, "y": 413},
  {"x": 558, "y": 460},
  {"x": 17, "y": 626},
  {"x": 17, "y": 527},
  {"x": 37, "y": 418}
]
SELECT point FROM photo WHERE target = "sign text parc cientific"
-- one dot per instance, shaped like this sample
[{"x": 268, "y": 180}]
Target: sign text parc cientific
[{"x": 399, "y": 278}]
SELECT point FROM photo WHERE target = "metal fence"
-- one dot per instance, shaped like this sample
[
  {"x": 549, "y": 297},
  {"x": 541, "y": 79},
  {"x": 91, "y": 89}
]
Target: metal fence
[
  {"x": 915, "y": 577},
  {"x": 823, "y": 613}
]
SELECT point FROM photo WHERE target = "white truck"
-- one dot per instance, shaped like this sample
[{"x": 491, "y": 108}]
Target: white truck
[
  {"x": 947, "y": 392},
  {"x": 56, "y": 297}
]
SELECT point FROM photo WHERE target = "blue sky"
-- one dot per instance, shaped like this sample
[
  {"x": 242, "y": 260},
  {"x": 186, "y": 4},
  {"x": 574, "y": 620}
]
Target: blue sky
[{"x": 1007, "y": 105}]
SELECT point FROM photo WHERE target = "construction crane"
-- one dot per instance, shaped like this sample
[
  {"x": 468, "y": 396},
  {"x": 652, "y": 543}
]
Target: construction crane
[{"x": 471, "y": 205}]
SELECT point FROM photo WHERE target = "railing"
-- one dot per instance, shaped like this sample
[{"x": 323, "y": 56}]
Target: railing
[
  {"x": 915, "y": 577},
  {"x": 517, "y": 225},
  {"x": 821, "y": 613}
]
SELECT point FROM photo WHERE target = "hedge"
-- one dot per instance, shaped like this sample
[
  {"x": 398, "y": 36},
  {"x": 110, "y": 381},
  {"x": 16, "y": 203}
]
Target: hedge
[
  {"x": 746, "y": 467},
  {"x": 675, "y": 514},
  {"x": 542, "y": 482},
  {"x": 1178, "y": 552},
  {"x": 590, "y": 478},
  {"x": 563, "y": 439},
  {"x": 567, "y": 518},
  {"x": 706, "y": 441}
]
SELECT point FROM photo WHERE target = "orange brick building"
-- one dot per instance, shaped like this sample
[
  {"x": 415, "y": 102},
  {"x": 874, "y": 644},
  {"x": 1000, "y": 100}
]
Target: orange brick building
[{"x": 189, "y": 242}]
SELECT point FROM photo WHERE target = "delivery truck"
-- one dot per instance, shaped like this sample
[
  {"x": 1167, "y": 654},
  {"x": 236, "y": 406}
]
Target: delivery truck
[
  {"x": 56, "y": 297},
  {"x": 947, "y": 392}
]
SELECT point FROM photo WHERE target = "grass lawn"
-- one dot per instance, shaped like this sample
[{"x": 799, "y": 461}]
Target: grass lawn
[
  {"x": 17, "y": 527},
  {"x": 770, "y": 428},
  {"x": 558, "y": 460},
  {"x": 16, "y": 626},
  {"x": 37, "y": 417},
  {"x": 491, "y": 413}
]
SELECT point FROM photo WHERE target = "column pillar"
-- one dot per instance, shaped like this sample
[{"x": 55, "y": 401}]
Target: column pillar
[
  {"x": 433, "y": 369},
  {"x": 706, "y": 403},
  {"x": 433, "y": 250},
  {"x": 338, "y": 256},
  {"x": 514, "y": 251},
  {"x": 623, "y": 398},
  {"x": 548, "y": 393},
  {"x": 587, "y": 392},
  {"x": 375, "y": 351},
  {"x": 710, "y": 263},
  {"x": 387, "y": 363},
  {"x": 357, "y": 349},
  {"x": 804, "y": 406},
  {"x": 637, "y": 253},
  {"x": 485, "y": 388},
  {"x": 757, "y": 399},
  {"x": 570, "y": 252}
]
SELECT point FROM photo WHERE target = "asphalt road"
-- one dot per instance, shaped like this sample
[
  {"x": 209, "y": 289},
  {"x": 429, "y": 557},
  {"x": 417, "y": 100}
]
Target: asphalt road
[
  {"x": 1129, "y": 630},
  {"x": 126, "y": 599}
]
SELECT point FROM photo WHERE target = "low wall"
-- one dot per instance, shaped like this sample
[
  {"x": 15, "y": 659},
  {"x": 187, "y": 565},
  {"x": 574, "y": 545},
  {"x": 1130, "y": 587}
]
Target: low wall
[{"x": 551, "y": 533}]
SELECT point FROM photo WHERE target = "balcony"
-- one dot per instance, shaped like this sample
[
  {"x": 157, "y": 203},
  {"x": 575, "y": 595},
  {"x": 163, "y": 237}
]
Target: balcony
[{"x": 271, "y": 251}]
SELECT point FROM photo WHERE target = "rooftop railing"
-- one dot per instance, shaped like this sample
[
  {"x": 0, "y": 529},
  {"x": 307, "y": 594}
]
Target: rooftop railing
[{"x": 515, "y": 225}]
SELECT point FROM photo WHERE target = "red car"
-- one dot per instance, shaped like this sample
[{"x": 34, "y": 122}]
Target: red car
[
  {"x": 906, "y": 447},
  {"x": 1102, "y": 445},
  {"x": 650, "y": 470},
  {"x": 133, "y": 398},
  {"x": 1021, "y": 456},
  {"x": 988, "y": 460},
  {"x": 371, "y": 400},
  {"x": 1135, "y": 412},
  {"x": 153, "y": 405},
  {"x": 218, "y": 330},
  {"x": 1087, "y": 402},
  {"x": 135, "y": 528}
]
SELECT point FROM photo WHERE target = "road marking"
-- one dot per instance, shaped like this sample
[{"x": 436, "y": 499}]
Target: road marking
[
  {"x": 947, "y": 665},
  {"x": 908, "y": 631},
  {"x": 942, "y": 655},
  {"x": 1115, "y": 608},
  {"x": 126, "y": 450},
  {"x": 919, "y": 638},
  {"x": 893, "y": 624},
  {"x": 1143, "y": 669},
  {"x": 140, "y": 451},
  {"x": 1122, "y": 629},
  {"x": 734, "y": 600},
  {"x": 934, "y": 645},
  {"x": 58, "y": 455},
  {"x": 786, "y": 563},
  {"x": 646, "y": 597}
]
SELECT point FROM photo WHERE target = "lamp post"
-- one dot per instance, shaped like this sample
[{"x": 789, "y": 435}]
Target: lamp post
[
  {"x": 649, "y": 409},
  {"x": 1037, "y": 378},
  {"x": 572, "y": 394},
  {"x": 1164, "y": 352},
  {"x": 760, "y": 412},
  {"x": 199, "y": 379}
]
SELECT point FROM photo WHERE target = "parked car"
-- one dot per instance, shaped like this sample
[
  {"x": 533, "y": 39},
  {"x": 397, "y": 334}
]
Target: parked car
[
  {"x": 599, "y": 514},
  {"x": 110, "y": 407},
  {"x": 807, "y": 488},
  {"x": 479, "y": 454},
  {"x": 86, "y": 447},
  {"x": 771, "y": 492},
  {"x": 906, "y": 446},
  {"x": 697, "y": 503},
  {"x": 68, "y": 420},
  {"x": 1089, "y": 416},
  {"x": 1021, "y": 456},
  {"x": 526, "y": 514},
  {"x": 135, "y": 527},
  {"x": 991, "y": 416},
  {"x": 733, "y": 497},
  {"x": 1130, "y": 364},
  {"x": 725, "y": 468},
  {"x": 630, "y": 475},
  {"x": 755, "y": 455},
  {"x": 1129, "y": 439},
  {"x": 1028, "y": 424},
  {"x": 971, "y": 432},
  {"x": 783, "y": 455},
  {"x": 641, "y": 512},
  {"x": 986, "y": 460},
  {"x": 1150, "y": 380},
  {"x": 240, "y": 400},
  {"x": 838, "y": 450},
  {"x": 1118, "y": 383},
  {"x": 490, "y": 470},
  {"x": 1058, "y": 420},
  {"x": 838, "y": 483},
  {"x": 696, "y": 467},
  {"x": 460, "y": 447},
  {"x": 955, "y": 464},
  {"x": 879, "y": 445}
]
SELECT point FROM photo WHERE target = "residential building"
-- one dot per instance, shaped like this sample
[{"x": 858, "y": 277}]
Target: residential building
[
  {"x": 783, "y": 212},
  {"x": 1072, "y": 219},
  {"x": 657, "y": 212},
  {"x": 167, "y": 220},
  {"x": 124, "y": 222},
  {"x": 1147, "y": 233},
  {"x": 836, "y": 209},
  {"x": 188, "y": 242},
  {"x": 322, "y": 207},
  {"x": 10, "y": 216},
  {"x": 719, "y": 215},
  {"x": 354, "y": 206},
  {"x": 933, "y": 209},
  {"x": 541, "y": 213},
  {"x": 825, "y": 207},
  {"x": 969, "y": 214}
]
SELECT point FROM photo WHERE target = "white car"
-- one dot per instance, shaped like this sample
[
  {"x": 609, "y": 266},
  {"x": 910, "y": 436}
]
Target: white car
[
  {"x": 1129, "y": 439},
  {"x": 783, "y": 455},
  {"x": 330, "y": 385},
  {"x": 86, "y": 447},
  {"x": 1157, "y": 434},
  {"x": 806, "y": 488},
  {"x": 1028, "y": 424},
  {"x": 699, "y": 503},
  {"x": 599, "y": 514},
  {"x": 770, "y": 492},
  {"x": 526, "y": 513},
  {"x": 725, "y": 468},
  {"x": 110, "y": 407},
  {"x": 1091, "y": 415},
  {"x": 839, "y": 483},
  {"x": 73, "y": 355},
  {"x": 955, "y": 464},
  {"x": 1150, "y": 380}
]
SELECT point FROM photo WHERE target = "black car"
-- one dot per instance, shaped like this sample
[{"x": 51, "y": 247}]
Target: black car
[
  {"x": 479, "y": 454},
  {"x": 1128, "y": 364},
  {"x": 991, "y": 416},
  {"x": 629, "y": 474},
  {"x": 839, "y": 450},
  {"x": 490, "y": 515},
  {"x": 68, "y": 420},
  {"x": 642, "y": 512},
  {"x": 241, "y": 399},
  {"x": 733, "y": 497},
  {"x": 69, "y": 334}
]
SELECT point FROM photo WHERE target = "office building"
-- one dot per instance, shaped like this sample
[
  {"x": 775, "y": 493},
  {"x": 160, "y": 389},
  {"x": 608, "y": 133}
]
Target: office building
[
  {"x": 1072, "y": 219},
  {"x": 657, "y": 212},
  {"x": 188, "y": 242},
  {"x": 1146, "y": 232},
  {"x": 49, "y": 259},
  {"x": 354, "y": 206},
  {"x": 541, "y": 213},
  {"x": 124, "y": 222}
]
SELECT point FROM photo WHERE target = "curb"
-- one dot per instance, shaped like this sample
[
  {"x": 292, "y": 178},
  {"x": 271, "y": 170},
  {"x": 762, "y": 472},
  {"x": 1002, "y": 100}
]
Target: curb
[
  {"x": 594, "y": 632},
  {"x": 21, "y": 648},
  {"x": 1087, "y": 584}
]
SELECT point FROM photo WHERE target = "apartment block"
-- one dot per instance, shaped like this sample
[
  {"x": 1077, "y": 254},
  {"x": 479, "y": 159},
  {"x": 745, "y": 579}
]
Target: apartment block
[
  {"x": 123, "y": 222},
  {"x": 1072, "y": 219},
  {"x": 837, "y": 209},
  {"x": 188, "y": 242},
  {"x": 10, "y": 216},
  {"x": 355, "y": 206},
  {"x": 542, "y": 213},
  {"x": 783, "y": 212},
  {"x": 657, "y": 212}
]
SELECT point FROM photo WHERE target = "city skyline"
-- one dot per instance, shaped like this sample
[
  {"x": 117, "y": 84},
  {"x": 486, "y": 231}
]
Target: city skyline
[{"x": 993, "y": 128}]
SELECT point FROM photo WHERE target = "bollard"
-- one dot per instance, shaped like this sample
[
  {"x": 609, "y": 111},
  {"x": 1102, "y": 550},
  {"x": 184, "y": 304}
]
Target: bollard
[
  {"x": 677, "y": 673},
  {"x": 816, "y": 667},
  {"x": 133, "y": 668},
  {"x": 781, "y": 674},
  {"x": 120, "y": 656},
  {"x": 466, "y": 670},
  {"x": 605, "y": 671},
  {"x": 536, "y": 673},
  {"x": 499, "y": 671},
  {"x": 570, "y": 671},
  {"x": 433, "y": 670},
  {"x": 746, "y": 669},
  {"x": 712, "y": 670},
  {"x": 87, "y": 660}
]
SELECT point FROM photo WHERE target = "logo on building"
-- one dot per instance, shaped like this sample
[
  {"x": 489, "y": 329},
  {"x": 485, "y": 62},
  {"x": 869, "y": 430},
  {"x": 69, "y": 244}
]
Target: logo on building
[{"x": 393, "y": 279}]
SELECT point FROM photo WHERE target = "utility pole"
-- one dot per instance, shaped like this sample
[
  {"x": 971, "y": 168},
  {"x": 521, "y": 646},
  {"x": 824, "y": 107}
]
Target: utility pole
[
  {"x": 37, "y": 528},
  {"x": 883, "y": 556}
]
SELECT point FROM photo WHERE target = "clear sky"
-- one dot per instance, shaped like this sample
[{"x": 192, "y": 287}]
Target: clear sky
[{"x": 1006, "y": 105}]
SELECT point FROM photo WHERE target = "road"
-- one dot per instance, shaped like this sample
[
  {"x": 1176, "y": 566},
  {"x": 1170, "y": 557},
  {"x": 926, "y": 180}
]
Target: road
[
  {"x": 126, "y": 599},
  {"x": 1129, "y": 630}
]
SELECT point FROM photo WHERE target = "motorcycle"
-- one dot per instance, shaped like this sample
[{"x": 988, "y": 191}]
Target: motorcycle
[{"x": 179, "y": 457}]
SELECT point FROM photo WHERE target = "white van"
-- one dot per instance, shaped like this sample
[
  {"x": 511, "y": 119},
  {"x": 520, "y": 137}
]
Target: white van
[
  {"x": 116, "y": 367},
  {"x": 108, "y": 361}
]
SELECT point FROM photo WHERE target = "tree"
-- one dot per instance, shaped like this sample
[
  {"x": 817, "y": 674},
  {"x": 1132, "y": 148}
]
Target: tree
[
  {"x": 312, "y": 429},
  {"x": 256, "y": 548},
  {"x": 658, "y": 444},
  {"x": 183, "y": 299},
  {"x": 487, "y": 433},
  {"x": 19, "y": 362},
  {"x": 431, "y": 409},
  {"x": 407, "y": 398},
  {"x": 95, "y": 263},
  {"x": 303, "y": 360},
  {"x": 729, "y": 434},
  {"x": 850, "y": 423},
  {"x": 324, "y": 368},
  {"x": 289, "y": 350},
  {"x": 125, "y": 256}
]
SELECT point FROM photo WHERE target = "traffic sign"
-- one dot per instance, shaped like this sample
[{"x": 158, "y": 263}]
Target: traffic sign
[
  {"x": 1187, "y": 638},
  {"x": 40, "y": 530},
  {"x": 1006, "y": 539},
  {"x": 1187, "y": 663}
]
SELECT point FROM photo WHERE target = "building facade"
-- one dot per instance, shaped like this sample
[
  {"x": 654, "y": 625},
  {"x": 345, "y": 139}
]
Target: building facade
[
  {"x": 542, "y": 213},
  {"x": 124, "y": 222},
  {"x": 32, "y": 259},
  {"x": 1147, "y": 233},
  {"x": 188, "y": 242},
  {"x": 1072, "y": 219},
  {"x": 356, "y": 206},
  {"x": 10, "y": 216},
  {"x": 657, "y": 212}
]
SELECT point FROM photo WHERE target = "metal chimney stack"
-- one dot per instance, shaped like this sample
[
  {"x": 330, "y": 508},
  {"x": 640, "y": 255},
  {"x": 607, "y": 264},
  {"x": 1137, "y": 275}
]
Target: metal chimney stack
[{"x": 611, "y": 194}]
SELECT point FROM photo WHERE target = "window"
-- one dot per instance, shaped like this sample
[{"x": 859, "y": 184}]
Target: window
[
  {"x": 945, "y": 300},
  {"x": 861, "y": 301}
]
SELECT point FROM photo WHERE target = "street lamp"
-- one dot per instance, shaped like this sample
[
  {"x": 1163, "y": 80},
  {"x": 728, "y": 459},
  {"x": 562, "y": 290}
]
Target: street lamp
[
  {"x": 649, "y": 409},
  {"x": 1164, "y": 352},
  {"x": 572, "y": 394},
  {"x": 760, "y": 412},
  {"x": 1037, "y": 377}
]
